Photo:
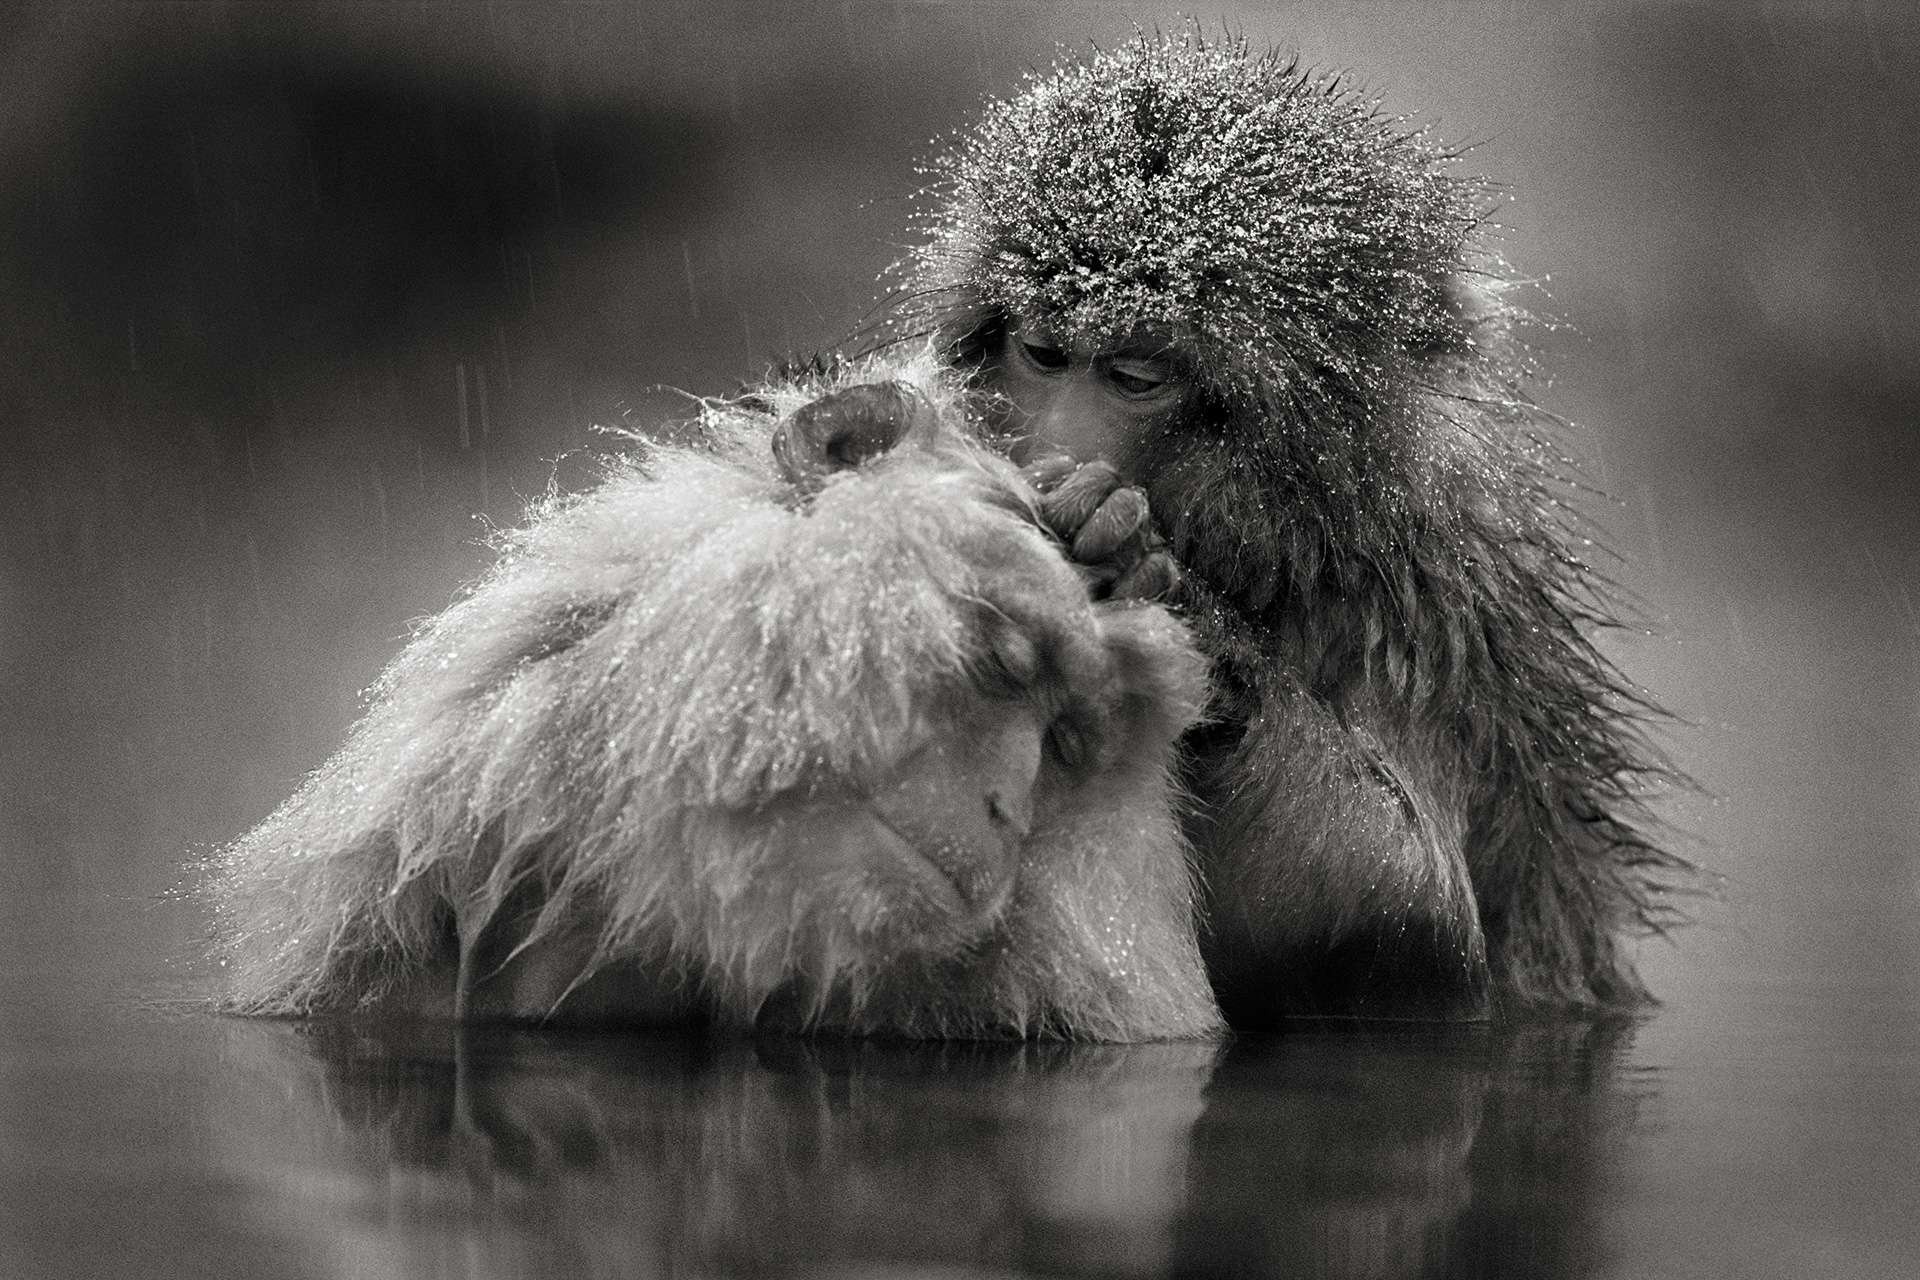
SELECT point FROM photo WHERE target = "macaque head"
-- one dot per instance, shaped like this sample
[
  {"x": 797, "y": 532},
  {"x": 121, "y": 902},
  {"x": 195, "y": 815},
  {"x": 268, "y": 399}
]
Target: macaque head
[{"x": 1235, "y": 279}]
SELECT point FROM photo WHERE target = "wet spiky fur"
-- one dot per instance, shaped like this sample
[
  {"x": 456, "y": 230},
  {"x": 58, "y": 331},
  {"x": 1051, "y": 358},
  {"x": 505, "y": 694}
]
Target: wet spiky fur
[
  {"x": 1425, "y": 789},
  {"x": 602, "y": 786}
]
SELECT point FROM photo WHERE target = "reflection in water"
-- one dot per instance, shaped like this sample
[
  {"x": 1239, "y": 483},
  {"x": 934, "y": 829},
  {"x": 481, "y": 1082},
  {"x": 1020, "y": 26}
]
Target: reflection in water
[
  {"x": 1428, "y": 1150},
  {"x": 426, "y": 1149}
]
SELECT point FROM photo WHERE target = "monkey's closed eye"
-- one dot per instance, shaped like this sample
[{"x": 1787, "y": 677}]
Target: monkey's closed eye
[
  {"x": 1069, "y": 742},
  {"x": 1043, "y": 357},
  {"x": 1013, "y": 663},
  {"x": 1139, "y": 379}
]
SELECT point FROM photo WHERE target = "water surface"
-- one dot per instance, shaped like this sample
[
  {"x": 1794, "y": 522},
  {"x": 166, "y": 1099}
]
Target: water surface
[{"x": 152, "y": 1140}]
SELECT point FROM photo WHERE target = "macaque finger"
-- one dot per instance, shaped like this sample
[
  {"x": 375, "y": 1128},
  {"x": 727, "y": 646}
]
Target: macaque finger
[
  {"x": 1071, "y": 505},
  {"x": 1155, "y": 576},
  {"x": 1046, "y": 473},
  {"x": 1119, "y": 520}
]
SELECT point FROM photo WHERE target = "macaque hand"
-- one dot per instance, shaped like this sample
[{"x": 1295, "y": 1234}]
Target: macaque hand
[{"x": 1106, "y": 527}]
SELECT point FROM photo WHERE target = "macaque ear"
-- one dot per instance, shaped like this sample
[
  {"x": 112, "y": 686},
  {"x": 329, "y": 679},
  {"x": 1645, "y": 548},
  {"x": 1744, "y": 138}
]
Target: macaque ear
[{"x": 842, "y": 430}]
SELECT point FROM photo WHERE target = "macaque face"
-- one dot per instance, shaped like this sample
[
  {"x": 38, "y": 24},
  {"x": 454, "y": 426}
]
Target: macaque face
[{"x": 1065, "y": 397}]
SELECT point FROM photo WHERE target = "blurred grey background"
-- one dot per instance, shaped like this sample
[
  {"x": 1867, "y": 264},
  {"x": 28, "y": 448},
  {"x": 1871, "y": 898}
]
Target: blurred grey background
[{"x": 294, "y": 299}]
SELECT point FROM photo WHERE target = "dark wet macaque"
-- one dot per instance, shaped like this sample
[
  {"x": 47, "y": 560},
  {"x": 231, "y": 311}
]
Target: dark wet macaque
[
  {"x": 1246, "y": 333},
  {"x": 812, "y": 727}
]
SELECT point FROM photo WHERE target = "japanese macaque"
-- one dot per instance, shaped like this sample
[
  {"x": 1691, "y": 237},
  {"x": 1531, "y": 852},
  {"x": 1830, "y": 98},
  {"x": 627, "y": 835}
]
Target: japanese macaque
[
  {"x": 1247, "y": 333},
  {"x": 811, "y": 726}
]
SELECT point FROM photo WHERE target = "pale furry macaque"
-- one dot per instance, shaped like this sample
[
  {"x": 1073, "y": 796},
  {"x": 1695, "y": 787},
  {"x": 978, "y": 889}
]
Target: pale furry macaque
[
  {"x": 809, "y": 726},
  {"x": 1266, "y": 318}
]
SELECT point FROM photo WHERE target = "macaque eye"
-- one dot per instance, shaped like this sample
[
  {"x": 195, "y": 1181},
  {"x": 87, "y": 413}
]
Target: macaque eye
[
  {"x": 1139, "y": 379},
  {"x": 1043, "y": 356}
]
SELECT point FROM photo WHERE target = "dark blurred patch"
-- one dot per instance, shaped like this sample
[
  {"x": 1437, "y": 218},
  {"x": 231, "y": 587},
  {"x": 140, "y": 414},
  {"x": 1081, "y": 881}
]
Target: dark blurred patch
[
  {"x": 213, "y": 217},
  {"x": 283, "y": 310}
]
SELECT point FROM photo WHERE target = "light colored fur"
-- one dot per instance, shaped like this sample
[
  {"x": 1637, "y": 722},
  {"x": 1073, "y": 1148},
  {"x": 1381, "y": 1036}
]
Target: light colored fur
[{"x": 630, "y": 775}]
